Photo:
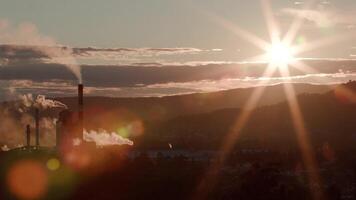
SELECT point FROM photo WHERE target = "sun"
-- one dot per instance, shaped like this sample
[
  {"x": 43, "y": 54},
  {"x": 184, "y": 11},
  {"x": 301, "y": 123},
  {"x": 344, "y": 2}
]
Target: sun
[{"x": 279, "y": 54}]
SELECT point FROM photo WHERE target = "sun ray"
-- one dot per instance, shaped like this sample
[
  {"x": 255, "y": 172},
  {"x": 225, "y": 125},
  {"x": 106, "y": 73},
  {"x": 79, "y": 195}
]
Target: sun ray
[
  {"x": 209, "y": 180},
  {"x": 326, "y": 41},
  {"x": 275, "y": 62},
  {"x": 240, "y": 32},
  {"x": 272, "y": 25},
  {"x": 349, "y": 94},
  {"x": 303, "y": 139},
  {"x": 262, "y": 58},
  {"x": 296, "y": 24},
  {"x": 230, "y": 26}
]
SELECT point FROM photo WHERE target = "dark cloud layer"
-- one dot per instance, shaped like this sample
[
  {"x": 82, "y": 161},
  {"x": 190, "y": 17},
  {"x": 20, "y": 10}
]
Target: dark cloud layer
[
  {"x": 28, "y": 52},
  {"x": 136, "y": 75},
  {"x": 44, "y": 70},
  {"x": 21, "y": 52}
]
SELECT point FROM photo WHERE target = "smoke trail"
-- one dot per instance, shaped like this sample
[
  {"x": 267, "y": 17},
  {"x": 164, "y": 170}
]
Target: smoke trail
[
  {"x": 16, "y": 115},
  {"x": 104, "y": 138},
  {"x": 27, "y": 35},
  {"x": 44, "y": 103},
  {"x": 27, "y": 101},
  {"x": 62, "y": 55},
  {"x": 77, "y": 141},
  {"x": 5, "y": 148}
]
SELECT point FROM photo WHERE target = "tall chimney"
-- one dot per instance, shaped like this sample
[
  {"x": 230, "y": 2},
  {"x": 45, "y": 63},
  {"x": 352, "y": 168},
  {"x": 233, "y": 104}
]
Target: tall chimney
[
  {"x": 58, "y": 133},
  {"x": 37, "y": 121},
  {"x": 80, "y": 108},
  {"x": 28, "y": 136}
]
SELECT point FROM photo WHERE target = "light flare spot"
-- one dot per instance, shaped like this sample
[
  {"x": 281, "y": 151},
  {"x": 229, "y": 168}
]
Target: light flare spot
[
  {"x": 78, "y": 159},
  {"x": 301, "y": 40},
  {"x": 123, "y": 132},
  {"x": 53, "y": 164},
  {"x": 27, "y": 179}
]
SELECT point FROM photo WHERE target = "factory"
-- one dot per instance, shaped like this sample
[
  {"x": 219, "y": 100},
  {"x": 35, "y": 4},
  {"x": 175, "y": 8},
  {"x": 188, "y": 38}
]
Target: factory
[{"x": 69, "y": 126}]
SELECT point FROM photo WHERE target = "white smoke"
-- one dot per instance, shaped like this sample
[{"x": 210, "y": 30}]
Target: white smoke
[
  {"x": 15, "y": 116},
  {"x": 40, "y": 102},
  {"x": 5, "y": 148},
  {"x": 27, "y": 34},
  {"x": 77, "y": 141},
  {"x": 104, "y": 138}
]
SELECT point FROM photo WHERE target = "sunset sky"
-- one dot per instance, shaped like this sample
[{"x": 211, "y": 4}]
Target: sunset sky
[{"x": 165, "y": 47}]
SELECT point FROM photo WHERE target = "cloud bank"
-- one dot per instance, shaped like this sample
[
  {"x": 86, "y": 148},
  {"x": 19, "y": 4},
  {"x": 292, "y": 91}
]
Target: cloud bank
[{"x": 67, "y": 55}]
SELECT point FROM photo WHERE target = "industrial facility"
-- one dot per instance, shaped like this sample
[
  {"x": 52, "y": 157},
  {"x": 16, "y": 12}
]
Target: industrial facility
[{"x": 69, "y": 126}]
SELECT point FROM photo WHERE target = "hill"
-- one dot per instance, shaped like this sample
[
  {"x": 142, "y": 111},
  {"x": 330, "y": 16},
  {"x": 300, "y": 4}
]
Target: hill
[
  {"x": 328, "y": 119},
  {"x": 161, "y": 108}
]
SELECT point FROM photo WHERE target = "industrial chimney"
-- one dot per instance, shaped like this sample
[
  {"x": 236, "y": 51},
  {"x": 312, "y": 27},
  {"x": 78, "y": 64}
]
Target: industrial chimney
[
  {"x": 37, "y": 125},
  {"x": 28, "y": 136},
  {"x": 58, "y": 133},
  {"x": 80, "y": 109}
]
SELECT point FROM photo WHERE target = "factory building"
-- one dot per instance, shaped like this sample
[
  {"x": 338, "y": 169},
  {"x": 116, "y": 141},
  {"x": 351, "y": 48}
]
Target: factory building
[{"x": 69, "y": 126}]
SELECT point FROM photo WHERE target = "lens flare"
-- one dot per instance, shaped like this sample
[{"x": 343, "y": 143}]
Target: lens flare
[
  {"x": 27, "y": 179},
  {"x": 280, "y": 54},
  {"x": 53, "y": 164}
]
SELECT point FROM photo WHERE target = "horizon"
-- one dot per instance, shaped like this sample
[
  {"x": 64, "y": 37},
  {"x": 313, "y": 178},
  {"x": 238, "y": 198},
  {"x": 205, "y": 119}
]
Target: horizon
[{"x": 73, "y": 93}]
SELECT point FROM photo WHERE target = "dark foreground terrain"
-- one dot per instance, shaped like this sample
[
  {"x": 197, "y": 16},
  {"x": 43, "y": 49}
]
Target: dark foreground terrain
[{"x": 171, "y": 157}]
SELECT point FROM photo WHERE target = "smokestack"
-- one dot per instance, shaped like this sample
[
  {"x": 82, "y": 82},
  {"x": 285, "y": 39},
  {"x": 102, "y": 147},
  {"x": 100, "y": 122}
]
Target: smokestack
[
  {"x": 28, "y": 136},
  {"x": 37, "y": 119},
  {"x": 80, "y": 109},
  {"x": 58, "y": 133},
  {"x": 80, "y": 94}
]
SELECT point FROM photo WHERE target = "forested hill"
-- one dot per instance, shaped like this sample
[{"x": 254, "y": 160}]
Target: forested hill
[
  {"x": 161, "y": 108},
  {"x": 328, "y": 118}
]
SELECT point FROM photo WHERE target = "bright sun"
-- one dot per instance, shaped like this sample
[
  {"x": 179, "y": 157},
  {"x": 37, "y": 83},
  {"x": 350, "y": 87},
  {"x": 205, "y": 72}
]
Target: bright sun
[{"x": 279, "y": 54}]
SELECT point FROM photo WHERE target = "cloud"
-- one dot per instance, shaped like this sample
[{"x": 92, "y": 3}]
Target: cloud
[
  {"x": 225, "y": 84},
  {"x": 131, "y": 75},
  {"x": 135, "y": 55},
  {"x": 188, "y": 87},
  {"x": 51, "y": 78},
  {"x": 54, "y": 90},
  {"x": 17, "y": 52},
  {"x": 35, "y": 51},
  {"x": 11, "y": 89},
  {"x": 117, "y": 52},
  {"x": 322, "y": 17},
  {"x": 320, "y": 3},
  {"x": 63, "y": 54}
]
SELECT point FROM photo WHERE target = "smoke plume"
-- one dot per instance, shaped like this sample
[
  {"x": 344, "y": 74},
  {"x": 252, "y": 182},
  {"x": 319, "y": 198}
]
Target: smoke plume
[
  {"x": 40, "y": 102},
  {"x": 5, "y": 148},
  {"x": 104, "y": 138},
  {"x": 27, "y": 36},
  {"x": 16, "y": 115}
]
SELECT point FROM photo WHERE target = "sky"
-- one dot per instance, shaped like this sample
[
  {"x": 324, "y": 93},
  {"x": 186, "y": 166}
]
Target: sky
[{"x": 164, "y": 47}]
